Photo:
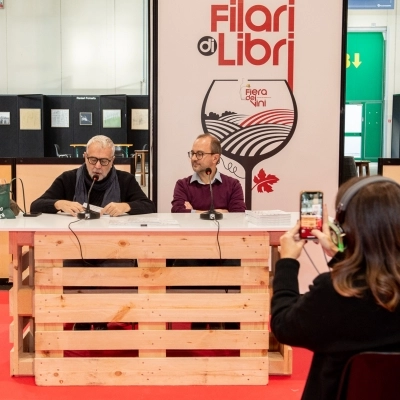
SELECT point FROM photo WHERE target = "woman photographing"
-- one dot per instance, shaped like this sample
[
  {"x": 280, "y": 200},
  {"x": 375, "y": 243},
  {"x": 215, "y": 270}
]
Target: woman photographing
[{"x": 354, "y": 307}]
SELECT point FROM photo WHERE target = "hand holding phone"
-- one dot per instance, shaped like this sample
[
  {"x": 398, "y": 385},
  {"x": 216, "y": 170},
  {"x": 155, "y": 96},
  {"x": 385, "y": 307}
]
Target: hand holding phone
[
  {"x": 290, "y": 245},
  {"x": 311, "y": 205}
]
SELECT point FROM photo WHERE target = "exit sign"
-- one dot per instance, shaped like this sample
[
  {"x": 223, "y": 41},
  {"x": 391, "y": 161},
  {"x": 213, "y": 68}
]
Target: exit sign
[{"x": 371, "y": 4}]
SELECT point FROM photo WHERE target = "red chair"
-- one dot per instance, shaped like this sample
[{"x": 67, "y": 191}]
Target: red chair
[{"x": 370, "y": 376}]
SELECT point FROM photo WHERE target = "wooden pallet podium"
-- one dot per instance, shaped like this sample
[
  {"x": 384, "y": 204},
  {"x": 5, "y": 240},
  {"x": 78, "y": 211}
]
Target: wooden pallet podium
[{"x": 47, "y": 297}]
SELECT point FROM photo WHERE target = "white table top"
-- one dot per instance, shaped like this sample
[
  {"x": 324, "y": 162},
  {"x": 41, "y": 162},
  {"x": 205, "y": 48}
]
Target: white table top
[{"x": 160, "y": 222}]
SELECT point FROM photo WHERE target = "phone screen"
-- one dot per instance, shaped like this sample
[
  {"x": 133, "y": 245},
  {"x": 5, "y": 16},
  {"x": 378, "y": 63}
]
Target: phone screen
[{"x": 311, "y": 204}]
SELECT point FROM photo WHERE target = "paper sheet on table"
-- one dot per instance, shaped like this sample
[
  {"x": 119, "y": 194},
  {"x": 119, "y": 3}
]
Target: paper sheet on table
[{"x": 143, "y": 222}]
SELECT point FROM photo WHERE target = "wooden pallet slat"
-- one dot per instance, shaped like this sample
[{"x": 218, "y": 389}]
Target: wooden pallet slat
[
  {"x": 152, "y": 371},
  {"x": 140, "y": 339},
  {"x": 152, "y": 276},
  {"x": 169, "y": 307},
  {"x": 188, "y": 245}
]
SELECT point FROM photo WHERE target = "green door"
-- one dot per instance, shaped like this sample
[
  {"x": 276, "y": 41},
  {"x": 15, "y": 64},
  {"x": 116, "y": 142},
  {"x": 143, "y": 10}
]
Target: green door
[{"x": 365, "y": 86}]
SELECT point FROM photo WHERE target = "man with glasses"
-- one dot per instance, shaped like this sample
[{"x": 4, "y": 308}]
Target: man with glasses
[
  {"x": 116, "y": 192},
  {"x": 192, "y": 194}
]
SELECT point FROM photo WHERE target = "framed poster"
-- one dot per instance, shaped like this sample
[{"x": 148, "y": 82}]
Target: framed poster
[
  {"x": 30, "y": 119},
  {"x": 60, "y": 118},
  {"x": 139, "y": 119},
  {"x": 4, "y": 118},
  {"x": 111, "y": 118},
  {"x": 85, "y": 118}
]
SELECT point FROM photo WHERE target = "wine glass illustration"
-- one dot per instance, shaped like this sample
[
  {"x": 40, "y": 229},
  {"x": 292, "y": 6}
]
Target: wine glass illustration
[{"x": 254, "y": 119}]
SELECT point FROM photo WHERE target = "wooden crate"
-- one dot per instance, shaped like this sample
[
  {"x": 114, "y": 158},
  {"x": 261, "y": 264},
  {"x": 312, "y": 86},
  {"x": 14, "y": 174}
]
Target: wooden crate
[
  {"x": 145, "y": 295},
  {"x": 153, "y": 308}
]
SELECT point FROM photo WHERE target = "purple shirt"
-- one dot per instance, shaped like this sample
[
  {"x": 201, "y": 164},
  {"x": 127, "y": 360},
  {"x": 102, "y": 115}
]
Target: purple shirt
[{"x": 227, "y": 193}]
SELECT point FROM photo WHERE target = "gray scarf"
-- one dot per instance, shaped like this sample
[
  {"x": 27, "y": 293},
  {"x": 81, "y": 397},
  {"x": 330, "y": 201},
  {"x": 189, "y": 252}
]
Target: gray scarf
[{"x": 109, "y": 185}]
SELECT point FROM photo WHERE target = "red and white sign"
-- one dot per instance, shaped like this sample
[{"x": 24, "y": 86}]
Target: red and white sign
[{"x": 264, "y": 77}]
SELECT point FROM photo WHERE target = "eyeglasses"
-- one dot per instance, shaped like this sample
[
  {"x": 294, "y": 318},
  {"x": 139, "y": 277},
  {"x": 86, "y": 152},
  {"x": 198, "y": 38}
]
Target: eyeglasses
[
  {"x": 199, "y": 154},
  {"x": 94, "y": 161}
]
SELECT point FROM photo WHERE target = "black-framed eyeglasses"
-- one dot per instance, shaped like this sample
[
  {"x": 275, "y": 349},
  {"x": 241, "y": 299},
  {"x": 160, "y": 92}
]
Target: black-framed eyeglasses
[
  {"x": 199, "y": 154},
  {"x": 94, "y": 160}
]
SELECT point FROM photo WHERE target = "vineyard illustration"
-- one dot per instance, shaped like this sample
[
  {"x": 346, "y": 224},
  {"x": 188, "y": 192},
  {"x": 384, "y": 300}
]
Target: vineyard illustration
[{"x": 253, "y": 122}]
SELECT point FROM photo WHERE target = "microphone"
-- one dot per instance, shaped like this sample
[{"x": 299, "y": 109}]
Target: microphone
[
  {"x": 211, "y": 214},
  {"x": 88, "y": 213}
]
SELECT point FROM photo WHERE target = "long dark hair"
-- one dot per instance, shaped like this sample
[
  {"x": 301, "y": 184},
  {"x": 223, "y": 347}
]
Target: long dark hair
[{"x": 372, "y": 256}]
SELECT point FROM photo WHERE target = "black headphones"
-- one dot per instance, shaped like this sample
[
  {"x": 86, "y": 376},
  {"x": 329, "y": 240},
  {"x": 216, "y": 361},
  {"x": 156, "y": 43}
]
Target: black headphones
[{"x": 337, "y": 231}]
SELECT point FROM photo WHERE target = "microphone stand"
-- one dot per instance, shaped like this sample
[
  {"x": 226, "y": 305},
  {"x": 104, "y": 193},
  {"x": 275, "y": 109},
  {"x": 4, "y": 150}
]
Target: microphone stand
[
  {"x": 88, "y": 213},
  {"x": 24, "y": 213},
  {"x": 211, "y": 214}
]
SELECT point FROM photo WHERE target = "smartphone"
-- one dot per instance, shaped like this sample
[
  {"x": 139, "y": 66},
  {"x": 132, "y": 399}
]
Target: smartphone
[{"x": 311, "y": 204}]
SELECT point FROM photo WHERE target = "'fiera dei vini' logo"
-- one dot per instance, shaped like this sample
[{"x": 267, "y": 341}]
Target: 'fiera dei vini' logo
[
  {"x": 256, "y": 97},
  {"x": 245, "y": 32}
]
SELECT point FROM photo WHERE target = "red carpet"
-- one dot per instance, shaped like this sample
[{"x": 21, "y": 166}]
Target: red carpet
[{"x": 17, "y": 388}]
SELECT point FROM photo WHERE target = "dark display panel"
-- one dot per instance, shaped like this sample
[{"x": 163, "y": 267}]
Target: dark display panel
[{"x": 65, "y": 120}]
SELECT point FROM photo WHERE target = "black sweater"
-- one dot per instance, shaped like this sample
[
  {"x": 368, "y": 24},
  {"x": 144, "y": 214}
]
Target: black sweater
[
  {"x": 332, "y": 326},
  {"x": 63, "y": 188}
]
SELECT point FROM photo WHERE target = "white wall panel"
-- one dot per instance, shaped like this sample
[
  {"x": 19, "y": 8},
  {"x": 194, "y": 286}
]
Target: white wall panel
[
  {"x": 130, "y": 47},
  {"x": 71, "y": 47},
  {"x": 88, "y": 46},
  {"x": 3, "y": 53},
  {"x": 33, "y": 46}
]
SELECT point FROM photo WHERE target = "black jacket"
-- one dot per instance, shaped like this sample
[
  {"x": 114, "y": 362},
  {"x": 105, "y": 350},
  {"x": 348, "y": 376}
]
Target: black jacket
[
  {"x": 332, "y": 326},
  {"x": 63, "y": 188}
]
